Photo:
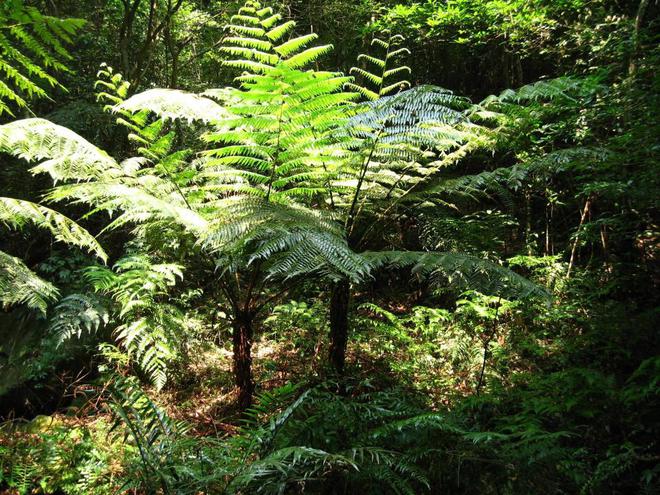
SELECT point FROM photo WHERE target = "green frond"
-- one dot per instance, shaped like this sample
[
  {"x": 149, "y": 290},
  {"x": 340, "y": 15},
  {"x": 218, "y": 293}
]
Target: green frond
[
  {"x": 396, "y": 70},
  {"x": 77, "y": 314},
  {"x": 382, "y": 78},
  {"x": 270, "y": 21},
  {"x": 365, "y": 92},
  {"x": 567, "y": 88},
  {"x": 397, "y": 86},
  {"x": 248, "y": 65},
  {"x": 250, "y": 31},
  {"x": 172, "y": 104},
  {"x": 397, "y": 52},
  {"x": 136, "y": 284},
  {"x": 381, "y": 43},
  {"x": 20, "y": 285},
  {"x": 31, "y": 45},
  {"x": 151, "y": 429},
  {"x": 16, "y": 213},
  {"x": 245, "y": 19},
  {"x": 136, "y": 202},
  {"x": 303, "y": 252},
  {"x": 67, "y": 155},
  {"x": 258, "y": 44},
  {"x": 147, "y": 345},
  {"x": 254, "y": 43},
  {"x": 252, "y": 54},
  {"x": 304, "y": 58},
  {"x": 294, "y": 45},
  {"x": 276, "y": 33},
  {"x": 374, "y": 79},
  {"x": 372, "y": 60},
  {"x": 286, "y": 468},
  {"x": 461, "y": 270}
]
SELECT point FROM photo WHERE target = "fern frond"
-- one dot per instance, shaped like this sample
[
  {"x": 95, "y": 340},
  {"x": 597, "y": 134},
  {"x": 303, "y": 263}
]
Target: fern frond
[
  {"x": 19, "y": 285},
  {"x": 380, "y": 76},
  {"x": 461, "y": 270},
  {"x": 136, "y": 284},
  {"x": 31, "y": 45},
  {"x": 276, "y": 33},
  {"x": 258, "y": 43},
  {"x": 67, "y": 155},
  {"x": 174, "y": 104},
  {"x": 16, "y": 213},
  {"x": 76, "y": 314},
  {"x": 306, "y": 57},
  {"x": 149, "y": 425}
]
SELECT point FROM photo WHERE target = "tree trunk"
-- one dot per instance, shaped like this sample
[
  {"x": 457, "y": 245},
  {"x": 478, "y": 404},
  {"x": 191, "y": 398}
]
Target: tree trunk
[
  {"x": 583, "y": 217},
  {"x": 242, "y": 341},
  {"x": 339, "y": 325}
]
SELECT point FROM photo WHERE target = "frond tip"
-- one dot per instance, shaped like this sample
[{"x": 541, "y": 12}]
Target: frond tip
[
  {"x": 67, "y": 155},
  {"x": 174, "y": 104},
  {"x": 16, "y": 213}
]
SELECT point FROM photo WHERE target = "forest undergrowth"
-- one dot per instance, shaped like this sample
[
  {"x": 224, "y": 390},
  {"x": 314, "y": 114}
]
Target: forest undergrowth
[{"x": 329, "y": 247}]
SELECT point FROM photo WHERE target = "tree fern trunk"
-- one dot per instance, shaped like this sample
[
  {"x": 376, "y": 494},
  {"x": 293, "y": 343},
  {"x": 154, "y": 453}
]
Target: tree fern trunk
[
  {"x": 242, "y": 343},
  {"x": 339, "y": 325}
]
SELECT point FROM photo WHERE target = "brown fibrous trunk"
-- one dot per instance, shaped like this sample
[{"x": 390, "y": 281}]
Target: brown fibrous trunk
[{"x": 242, "y": 366}]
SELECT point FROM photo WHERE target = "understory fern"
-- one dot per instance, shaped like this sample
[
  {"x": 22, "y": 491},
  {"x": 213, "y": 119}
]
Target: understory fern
[
  {"x": 155, "y": 435},
  {"x": 77, "y": 314},
  {"x": 18, "y": 284},
  {"x": 148, "y": 326}
]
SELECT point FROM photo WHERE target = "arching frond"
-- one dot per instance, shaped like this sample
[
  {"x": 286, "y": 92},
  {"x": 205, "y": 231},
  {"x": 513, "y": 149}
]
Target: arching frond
[
  {"x": 16, "y": 213},
  {"x": 20, "y": 285},
  {"x": 174, "y": 104},
  {"x": 567, "y": 88},
  {"x": 501, "y": 182},
  {"x": 462, "y": 270},
  {"x": 67, "y": 155}
]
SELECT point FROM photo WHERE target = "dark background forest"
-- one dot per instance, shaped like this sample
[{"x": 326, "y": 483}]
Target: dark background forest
[{"x": 329, "y": 247}]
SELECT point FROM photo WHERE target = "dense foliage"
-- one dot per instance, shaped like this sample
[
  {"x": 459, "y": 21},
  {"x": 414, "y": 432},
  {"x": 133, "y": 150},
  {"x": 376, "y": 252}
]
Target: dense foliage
[{"x": 329, "y": 247}]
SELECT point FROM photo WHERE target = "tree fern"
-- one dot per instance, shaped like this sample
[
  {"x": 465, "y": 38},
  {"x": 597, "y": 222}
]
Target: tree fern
[
  {"x": 31, "y": 47},
  {"x": 158, "y": 191}
]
